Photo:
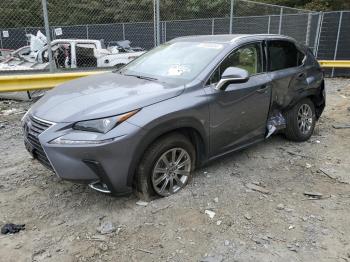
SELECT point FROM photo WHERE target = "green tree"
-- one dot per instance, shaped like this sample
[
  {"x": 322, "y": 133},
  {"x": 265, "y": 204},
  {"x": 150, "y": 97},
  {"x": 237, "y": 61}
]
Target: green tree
[{"x": 24, "y": 13}]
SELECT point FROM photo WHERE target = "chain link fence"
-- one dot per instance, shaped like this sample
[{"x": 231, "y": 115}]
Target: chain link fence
[
  {"x": 99, "y": 34},
  {"x": 334, "y": 40}
]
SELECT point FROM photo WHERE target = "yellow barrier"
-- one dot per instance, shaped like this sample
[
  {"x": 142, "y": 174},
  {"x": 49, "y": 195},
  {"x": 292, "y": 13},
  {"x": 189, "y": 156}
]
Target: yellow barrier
[
  {"x": 11, "y": 83},
  {"x": 335, "y": 64}
]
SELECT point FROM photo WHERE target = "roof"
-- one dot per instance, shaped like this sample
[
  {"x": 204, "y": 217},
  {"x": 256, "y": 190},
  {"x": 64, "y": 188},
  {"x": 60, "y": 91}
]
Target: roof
[{"x": 229, "y": 38}]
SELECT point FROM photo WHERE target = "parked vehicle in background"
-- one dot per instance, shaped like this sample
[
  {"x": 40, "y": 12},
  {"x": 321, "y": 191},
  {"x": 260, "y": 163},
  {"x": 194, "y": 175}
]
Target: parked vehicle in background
[
  {"x": 4, "y": 53},
  {"x": 148, "y": 125},
  {"x": 124, "y": 46},
  {"x": 81, "y": 53},
  {"x": 69, "y": 54}
]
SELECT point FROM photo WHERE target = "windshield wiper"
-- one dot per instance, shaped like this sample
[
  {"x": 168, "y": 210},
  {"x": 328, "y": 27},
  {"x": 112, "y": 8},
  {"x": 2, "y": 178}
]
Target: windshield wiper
[{"x": 143, "y": 77}]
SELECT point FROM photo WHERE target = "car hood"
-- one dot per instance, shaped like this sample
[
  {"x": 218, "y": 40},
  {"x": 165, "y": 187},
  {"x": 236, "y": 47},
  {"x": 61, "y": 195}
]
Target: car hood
[{"x": 101, "y": 96}]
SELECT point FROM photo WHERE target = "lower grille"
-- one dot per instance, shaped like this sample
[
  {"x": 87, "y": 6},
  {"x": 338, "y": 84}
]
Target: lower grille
[{"x": 33, "y": 127}]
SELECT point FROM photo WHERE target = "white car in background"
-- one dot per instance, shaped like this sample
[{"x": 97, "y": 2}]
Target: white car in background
[
  {"x": 70, "y": 54},
  {"x": 67, "y": 54}
]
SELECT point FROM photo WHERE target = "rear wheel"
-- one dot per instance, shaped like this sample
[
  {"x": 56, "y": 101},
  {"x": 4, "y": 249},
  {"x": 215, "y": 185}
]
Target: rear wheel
[
  {"x": 301, "y": 120},
  {"x": 166, "y": 167}
]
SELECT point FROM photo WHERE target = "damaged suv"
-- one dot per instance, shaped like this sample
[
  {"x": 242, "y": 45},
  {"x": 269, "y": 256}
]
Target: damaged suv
[{"x": 148, "y": 125}]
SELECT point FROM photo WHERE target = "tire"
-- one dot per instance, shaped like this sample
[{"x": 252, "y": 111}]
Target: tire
[
  {"x": 153, "y": 169},
  {"x": 301, "y": 120}
]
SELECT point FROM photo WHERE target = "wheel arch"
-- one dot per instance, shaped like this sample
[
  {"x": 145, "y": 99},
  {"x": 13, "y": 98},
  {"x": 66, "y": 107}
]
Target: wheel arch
[
  {"x": 190, "y": 128},
  {"x": 319, "y": 100},
  {"x": 316, "y": 95}
]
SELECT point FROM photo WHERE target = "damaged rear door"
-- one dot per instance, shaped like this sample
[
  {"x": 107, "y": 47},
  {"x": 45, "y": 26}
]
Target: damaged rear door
[{"x": 287, "y": 72}]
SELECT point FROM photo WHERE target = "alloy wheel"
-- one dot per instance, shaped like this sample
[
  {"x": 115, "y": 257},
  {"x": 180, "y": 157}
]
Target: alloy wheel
[
  {"x": 171, "y": 171},
  {"x": 305, "y": 119}
]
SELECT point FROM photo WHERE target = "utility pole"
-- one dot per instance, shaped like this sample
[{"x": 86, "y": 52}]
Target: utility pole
[
  {"x": 48, "y": 35},
  {"x": 231, "y": 15}
]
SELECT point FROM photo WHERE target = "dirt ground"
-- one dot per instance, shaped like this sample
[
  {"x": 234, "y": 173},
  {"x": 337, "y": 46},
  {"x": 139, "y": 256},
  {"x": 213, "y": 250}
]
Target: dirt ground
[{"x": 282, "y": 224}]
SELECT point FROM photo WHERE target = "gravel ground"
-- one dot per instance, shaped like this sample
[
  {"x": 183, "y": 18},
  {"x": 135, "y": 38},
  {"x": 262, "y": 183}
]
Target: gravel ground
[{"x": 278, "y": 224}]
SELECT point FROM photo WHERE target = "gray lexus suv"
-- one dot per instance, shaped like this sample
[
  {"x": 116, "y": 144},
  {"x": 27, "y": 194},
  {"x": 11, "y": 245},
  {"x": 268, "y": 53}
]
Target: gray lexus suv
[{"x": 148, "y": 125}]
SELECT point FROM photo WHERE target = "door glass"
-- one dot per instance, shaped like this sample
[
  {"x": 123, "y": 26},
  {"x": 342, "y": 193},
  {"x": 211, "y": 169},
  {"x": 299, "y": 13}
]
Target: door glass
[
  {"x": 283, "y": 54},
  {"x": 247, "y": 57},
  {"x": 85, "y": 55}
]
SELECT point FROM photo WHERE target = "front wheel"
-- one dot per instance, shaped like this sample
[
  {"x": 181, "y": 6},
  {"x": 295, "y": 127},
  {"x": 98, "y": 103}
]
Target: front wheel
[
  {"x": 166, "y": 167},
  {"x": 301, "y": 120}
]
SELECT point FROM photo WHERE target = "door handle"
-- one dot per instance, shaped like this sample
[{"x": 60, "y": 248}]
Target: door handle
[{"x": 263, "y": 89}]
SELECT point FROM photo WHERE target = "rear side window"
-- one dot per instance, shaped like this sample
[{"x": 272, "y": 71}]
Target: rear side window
[{"x": 283, "y": 54}]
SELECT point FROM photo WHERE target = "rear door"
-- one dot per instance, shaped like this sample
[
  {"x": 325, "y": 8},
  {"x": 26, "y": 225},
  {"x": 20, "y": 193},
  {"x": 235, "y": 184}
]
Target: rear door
[
  {"x": 238, "y": 115},
  {"x": 287, "y": 72}
]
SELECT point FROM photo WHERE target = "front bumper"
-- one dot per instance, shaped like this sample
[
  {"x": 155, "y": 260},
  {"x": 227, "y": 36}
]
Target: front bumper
[{"x": 107, "y": 163}]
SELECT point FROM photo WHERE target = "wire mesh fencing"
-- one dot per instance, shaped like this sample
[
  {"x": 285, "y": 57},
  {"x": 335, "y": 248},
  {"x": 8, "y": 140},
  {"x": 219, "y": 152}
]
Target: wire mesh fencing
[
  {"x": 17, "y": 21},
  {"x": 334, "y": 40},
  {"x": 99, "y": 34}
]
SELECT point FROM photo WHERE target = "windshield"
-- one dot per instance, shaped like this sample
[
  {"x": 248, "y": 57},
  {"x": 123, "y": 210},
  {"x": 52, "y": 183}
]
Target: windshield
[{"x": 174, "y": 61}]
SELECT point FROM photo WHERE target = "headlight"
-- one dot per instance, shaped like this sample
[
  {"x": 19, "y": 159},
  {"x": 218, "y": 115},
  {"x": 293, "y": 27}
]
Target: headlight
[
  {"x": 62, "y": 141},
  {"x": 103, "y": 125}
]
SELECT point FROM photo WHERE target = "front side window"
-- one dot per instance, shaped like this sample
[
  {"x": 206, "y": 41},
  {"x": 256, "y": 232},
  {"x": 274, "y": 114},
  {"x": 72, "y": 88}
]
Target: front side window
[
  {"x": 85, "y": 55},
  {"x": 247, "y": 57},
  {"x": 283, "y": 55}
]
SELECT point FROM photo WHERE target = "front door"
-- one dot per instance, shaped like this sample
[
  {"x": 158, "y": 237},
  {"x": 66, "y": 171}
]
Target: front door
[{"x": 238, "y": 115}]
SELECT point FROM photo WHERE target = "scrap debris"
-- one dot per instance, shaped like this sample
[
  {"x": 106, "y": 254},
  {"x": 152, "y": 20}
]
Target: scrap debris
[
  {"x": 160, "y": 209},
  {"x": 12, "y": 228},
  {"x": 142, "y": 203},
  {"x": 12, "y": 111},
  {"x": 341, "y": 126},
  {"x": 332, "y": 176},
  {"x": 107, "y": 228},
  {"x": 257, "y": 188},
  {"x": 210, "y": 213},
  {"x": 145, "y": 251},
  {"x": 296, "y": 153},
  {"x": 315, "y": 196},
  {"x": 276, "y": 122}
]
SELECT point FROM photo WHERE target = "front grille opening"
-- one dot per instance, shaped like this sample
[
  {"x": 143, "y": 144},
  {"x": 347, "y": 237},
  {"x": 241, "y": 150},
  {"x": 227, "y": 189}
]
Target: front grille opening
[{"x": 33, "y": 127}]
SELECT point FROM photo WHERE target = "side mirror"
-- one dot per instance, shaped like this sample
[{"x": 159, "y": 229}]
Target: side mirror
[{"x": 232, "y": 75}]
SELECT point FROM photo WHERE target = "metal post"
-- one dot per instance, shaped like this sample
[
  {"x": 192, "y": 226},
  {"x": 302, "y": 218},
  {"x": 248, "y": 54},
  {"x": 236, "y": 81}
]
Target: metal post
[
  {"x": 48, "y": 35},
  {"x": 231, "y": 16},
  {"x": 25, "y": 33},
  {"x": 318, "y": 33},
  {"x": 269, "y": 25},
  {"x": 87, "y": 32},
  {"x": 308, "y": 29},
  {"x": 158, "y": 23},
  {"x": 154, "y": 22},
  {"x": 212, "y": 26},
  {"x": 53, "y": 34},
  {"x": 123, "y": 28},
  {"x": 164, "y": 36},
  {"x": 338, "y": 36},
  {"x": 280, "y": 25},
  {"x": 1, "y": 39}
]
